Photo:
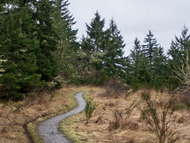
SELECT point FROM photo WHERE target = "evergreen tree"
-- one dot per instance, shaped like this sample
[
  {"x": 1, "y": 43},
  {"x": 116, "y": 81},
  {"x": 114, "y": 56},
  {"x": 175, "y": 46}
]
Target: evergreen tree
[
  {"x": 136, "y": 57},
  {"x": 179, "y": 58},
  {"x": 159, "y": 60},
  {"x": 114, "y": 62},
  {"x": 96, "y": 40},
  {"x": 179, "y": 48},
  {"x": 86, "y": 59},
  {"x": 68, "y": 22},
  {"x": 67, "y": 46},
  {"x": 47, "y": 36},
  {"x": 149, "y": 47},
  {"x": 18, "y": 45}
]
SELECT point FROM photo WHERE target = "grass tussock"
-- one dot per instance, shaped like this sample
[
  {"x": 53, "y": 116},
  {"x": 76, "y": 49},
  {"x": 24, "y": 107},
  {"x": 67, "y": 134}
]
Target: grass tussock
[{"x": 91, "y": 105}]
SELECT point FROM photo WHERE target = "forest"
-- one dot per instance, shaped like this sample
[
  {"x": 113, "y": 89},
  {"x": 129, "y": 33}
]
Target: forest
[{"x": 39, "y": 50}]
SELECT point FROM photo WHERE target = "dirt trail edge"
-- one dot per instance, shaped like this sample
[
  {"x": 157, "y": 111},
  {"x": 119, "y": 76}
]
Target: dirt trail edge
[{"x": 49, "y": 129}]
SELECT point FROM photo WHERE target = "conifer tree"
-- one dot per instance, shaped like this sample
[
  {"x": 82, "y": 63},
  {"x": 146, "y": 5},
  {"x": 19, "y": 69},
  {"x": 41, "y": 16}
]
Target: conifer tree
[
  {"x": 179, "y": 62},
  {"x": 148, "y": 48},
  {"x": 159, "y": 60},
  {"x": 66, "y": 52},
  {"x": 114, "y": 62},
  {"x": 136, "y": 57},
  {"x": 47, "y": 36},
  {"x": 96, "y": 39},
  {"x": 179, "y": 47},
  {"x": 68, "y": 22},
  {"x": 18, "y": 45}
]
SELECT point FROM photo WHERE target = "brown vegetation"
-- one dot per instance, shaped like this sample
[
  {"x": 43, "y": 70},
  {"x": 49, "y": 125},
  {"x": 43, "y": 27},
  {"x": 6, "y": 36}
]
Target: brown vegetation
[
  {"x": 17, "y": 117},
  {"x": 111, "y": 122}
]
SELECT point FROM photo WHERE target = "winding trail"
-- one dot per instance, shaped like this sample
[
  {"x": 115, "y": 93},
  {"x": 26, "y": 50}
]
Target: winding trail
[{"x": 49, "y": 129}]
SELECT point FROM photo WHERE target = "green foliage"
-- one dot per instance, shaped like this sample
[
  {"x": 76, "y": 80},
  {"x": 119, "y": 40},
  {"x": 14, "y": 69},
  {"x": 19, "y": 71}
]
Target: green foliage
[
  {"x": 178, "y": 49},
  {"x": 149, "y": 48},
  {"x": 17, "y": 47},
  {"x": 16, "y": 88},
  {"x": 101, "y": 53},
  {"x": 90, "y": 107},
  {"x": 47, "y": 36},
  {"x": 181, "y": 106}
]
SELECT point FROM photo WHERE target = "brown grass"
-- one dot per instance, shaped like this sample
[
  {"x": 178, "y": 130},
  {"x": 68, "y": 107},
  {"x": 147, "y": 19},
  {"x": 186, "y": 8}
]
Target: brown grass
[
  {"x": 15, "y": 117},
  {"x": 125, "y": 129}
]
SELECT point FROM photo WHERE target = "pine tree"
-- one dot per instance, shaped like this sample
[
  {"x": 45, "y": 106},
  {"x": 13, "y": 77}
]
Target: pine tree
[
  {"x": 18, "y": 45},
  {"x": 149, "y": 47},
  {"x": 179, "y": 62},
  {"x": 86, "y": 58},
  {"x": 114, "y": 62},
  {"x": 159, "y": 60},
  {"x": 179, "y": 48},
  {"x": 68, "y": 22},
  {"x": 96, "y": 40},
  {"x": 67, "y": 46},
  {"x": 47, "y": 36},
  {"x": 136, "y": 57}
]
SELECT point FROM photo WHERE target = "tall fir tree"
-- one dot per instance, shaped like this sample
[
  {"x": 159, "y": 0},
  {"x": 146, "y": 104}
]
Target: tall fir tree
[
  {"x": 96, "y": 40},
  {"x": 18, "y": 45},
  {"x": 67, "y": 46},
  {"x": 179, "y": 48},
  {"x": 136, "y": 57},
  {"x": 160, "y": 61},
  {"x": 148, "y": 48},
  {"x": 114, "y": 62},
  {"x": 47, "y": 36},
  {"x": 179, "y": 58}
]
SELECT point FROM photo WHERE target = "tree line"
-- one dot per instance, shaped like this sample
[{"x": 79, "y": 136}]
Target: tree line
[{"x": 39, "y": 49}]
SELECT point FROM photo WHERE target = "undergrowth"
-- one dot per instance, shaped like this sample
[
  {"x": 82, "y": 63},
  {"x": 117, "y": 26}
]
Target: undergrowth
[
  {"x": 159, "y": 118},
  {"x": 90, "y": 107}
]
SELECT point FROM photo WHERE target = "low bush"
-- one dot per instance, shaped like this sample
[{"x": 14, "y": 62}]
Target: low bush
[
  {"x": 90, "y": 107},
  {"x": 158, "y": 118},
  {"x": 120, "y": 122},
  {"x": 114, "y": 88}
]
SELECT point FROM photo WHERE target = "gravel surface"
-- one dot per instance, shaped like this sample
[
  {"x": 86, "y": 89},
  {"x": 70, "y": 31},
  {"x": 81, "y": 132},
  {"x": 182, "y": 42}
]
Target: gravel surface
[{"x": 49, "y": 129}]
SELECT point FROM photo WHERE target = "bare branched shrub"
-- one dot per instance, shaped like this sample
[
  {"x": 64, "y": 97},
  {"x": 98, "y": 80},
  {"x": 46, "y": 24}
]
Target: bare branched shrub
[
  {"x": 185, "y": 98},
  {"x": 119, "y": 121},
  {"x": 118, "y": 118},
  {"x": 114, "y": 88},
  {"x": 159, "y": 118}
]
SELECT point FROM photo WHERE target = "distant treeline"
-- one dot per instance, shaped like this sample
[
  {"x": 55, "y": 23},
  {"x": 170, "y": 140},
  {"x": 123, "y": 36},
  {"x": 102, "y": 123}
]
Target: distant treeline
[{"x": 38, "y": 49}]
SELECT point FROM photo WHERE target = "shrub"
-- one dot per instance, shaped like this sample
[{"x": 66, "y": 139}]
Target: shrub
[
  {"x": 16, "y": 87},
  {"x": 118, "y": 118},
  {"x": 114, "y": 88},
  {"x": 90, "y": 107},
  {"x": 158, "y": 118}
]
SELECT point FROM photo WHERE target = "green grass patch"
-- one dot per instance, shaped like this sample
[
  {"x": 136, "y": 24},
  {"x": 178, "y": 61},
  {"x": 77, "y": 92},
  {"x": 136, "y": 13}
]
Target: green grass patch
[
  {"x": 181, "y": 106},
  {"x": 69, "y": 131}
]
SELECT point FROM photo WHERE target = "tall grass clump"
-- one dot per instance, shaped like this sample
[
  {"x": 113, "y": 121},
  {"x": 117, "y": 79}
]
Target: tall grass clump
[
  {"x": 90, "y": 107},
  {"x": 158, "y": 118}
]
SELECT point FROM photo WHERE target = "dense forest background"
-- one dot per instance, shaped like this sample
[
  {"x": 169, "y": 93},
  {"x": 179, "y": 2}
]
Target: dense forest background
[{"x": 39, "y": 49}]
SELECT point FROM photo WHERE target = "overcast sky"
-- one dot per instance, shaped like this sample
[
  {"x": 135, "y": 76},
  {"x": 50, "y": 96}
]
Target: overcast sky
[{"x": 134, "y": 18}]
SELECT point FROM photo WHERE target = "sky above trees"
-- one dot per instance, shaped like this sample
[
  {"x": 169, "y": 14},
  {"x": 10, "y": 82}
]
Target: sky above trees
[{"x": 135, "y": 18}]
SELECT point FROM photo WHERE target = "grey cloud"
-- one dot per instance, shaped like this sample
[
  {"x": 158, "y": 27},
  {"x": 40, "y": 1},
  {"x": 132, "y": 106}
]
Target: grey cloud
[{"x": 134, "y": 18}]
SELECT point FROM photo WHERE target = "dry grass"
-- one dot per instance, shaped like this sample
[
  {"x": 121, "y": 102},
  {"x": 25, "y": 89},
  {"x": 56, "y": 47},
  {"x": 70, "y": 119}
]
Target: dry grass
[
  {"x": 114, "y": 112},
  {"x": 14, "y": 116}
]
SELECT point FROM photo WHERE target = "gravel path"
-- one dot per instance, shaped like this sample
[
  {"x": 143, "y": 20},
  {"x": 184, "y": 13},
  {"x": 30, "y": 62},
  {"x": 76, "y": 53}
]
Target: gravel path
[{"x": 49, "y": 129}]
